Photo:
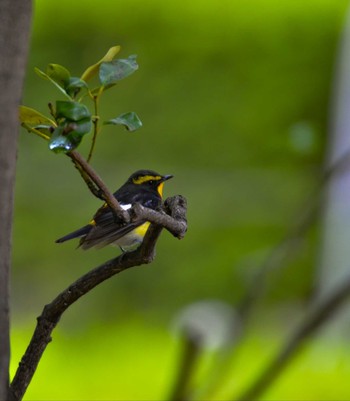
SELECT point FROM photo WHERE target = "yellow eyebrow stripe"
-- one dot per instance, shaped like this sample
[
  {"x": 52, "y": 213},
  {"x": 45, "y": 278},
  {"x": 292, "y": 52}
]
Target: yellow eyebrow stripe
[{"x": 145, "y": 178}]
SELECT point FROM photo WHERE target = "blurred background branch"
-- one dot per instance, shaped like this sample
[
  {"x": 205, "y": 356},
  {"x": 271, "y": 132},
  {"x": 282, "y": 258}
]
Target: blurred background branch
[
  {"x": 319, "y": 315},
  {"x": 188, "y": 359},
  {"x": 304, "y": 219}
]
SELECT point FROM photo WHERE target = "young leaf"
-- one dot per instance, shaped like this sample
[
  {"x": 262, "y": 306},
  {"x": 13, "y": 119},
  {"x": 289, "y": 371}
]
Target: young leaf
[
  {"x": 45, "y": 76},
  {"x": 116, "y": 70},
  {"x": 59, "y": 74},
  {"x": 62, "y": 77},
  {"x": 130, "y": 121},
  {"x": 74, "y": 85},
  {"x": 31, "y": 116},
  {"x": 91, "y": 71}
]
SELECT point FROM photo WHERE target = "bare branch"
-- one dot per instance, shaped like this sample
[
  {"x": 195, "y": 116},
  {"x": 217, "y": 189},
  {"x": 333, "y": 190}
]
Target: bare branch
[
  {"x": 175, "y": 222},
  {"x": 47, "y": 321}
]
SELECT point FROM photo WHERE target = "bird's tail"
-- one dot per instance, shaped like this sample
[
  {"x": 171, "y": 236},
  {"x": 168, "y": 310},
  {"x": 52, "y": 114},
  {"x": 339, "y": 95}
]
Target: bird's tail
[{"x": 75, "y": 234}]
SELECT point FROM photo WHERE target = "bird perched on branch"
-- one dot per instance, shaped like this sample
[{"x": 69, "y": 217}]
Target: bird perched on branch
[{"x": 144, "y": 187}]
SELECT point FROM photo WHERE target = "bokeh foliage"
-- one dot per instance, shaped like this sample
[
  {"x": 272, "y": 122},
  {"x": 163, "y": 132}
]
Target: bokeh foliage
[{"x": 234, "y": 97}]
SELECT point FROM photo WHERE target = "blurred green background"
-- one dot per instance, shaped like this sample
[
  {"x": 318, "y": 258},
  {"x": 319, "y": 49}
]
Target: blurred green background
[{"x": 234, "y": 97}]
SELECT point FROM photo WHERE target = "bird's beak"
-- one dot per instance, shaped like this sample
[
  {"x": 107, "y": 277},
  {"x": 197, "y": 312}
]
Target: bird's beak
[
  {"x": 161, "y": 183},
  {"x": 167, "y": 177}
]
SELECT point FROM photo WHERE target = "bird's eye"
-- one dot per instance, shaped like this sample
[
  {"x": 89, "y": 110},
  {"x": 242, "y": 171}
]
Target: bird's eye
[{"x": 150, "y": 182}]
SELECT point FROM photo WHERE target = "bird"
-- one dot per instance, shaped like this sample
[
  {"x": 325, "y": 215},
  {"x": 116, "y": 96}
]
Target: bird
[{"x": 144, "y": 187}]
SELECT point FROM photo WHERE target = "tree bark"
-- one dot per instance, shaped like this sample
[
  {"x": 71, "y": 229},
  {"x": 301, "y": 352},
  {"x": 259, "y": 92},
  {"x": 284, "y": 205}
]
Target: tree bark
[{"x": 15, "y": 17}]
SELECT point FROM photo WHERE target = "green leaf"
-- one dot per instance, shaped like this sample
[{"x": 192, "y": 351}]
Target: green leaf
[
  {"x": 59, "y": 74},
  {"x": 81, "y": 127},
  {"x": 74, "y": 85},
  {"x": 72, "y": 111},
  {"x": 74, "y": 122},
  {"x": 45, "y": 76},
  {"x": 31, "y": 116},
  {"x": 130, "y": 121},
  {"x": 116, "y": 70},
  {"x": 60, "y": 142},
  {"x": 68, "y": 136},
  {"x": 91, "y": 71}
]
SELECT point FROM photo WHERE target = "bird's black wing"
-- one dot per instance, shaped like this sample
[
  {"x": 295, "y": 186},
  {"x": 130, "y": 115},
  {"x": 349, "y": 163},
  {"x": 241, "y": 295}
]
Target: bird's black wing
[{"x": 106, "y": 230}]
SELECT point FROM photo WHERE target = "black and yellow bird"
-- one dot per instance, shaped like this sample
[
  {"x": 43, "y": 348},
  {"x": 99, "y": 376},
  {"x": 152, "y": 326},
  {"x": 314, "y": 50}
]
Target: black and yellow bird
[{"x": 144, "y": 187}]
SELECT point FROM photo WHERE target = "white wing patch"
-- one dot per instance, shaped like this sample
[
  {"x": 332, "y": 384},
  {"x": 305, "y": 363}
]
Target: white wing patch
[{"x": 126, "y": 207}]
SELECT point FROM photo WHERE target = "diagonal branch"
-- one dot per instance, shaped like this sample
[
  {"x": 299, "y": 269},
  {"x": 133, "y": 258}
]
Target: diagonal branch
[
  {"x": 97, "y": 186},
  {"x": 286, "y": 247},
  {"x": 174, "y": 221},
  {"x": 317, "y": 317}
]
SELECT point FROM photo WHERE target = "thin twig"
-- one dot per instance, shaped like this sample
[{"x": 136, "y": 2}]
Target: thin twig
[
  {"x": 52, "y": 312},
  {"x": 90, "y": 184},
  {"x": 95, "y": 122},
  {"x": 104, "y": 191}
]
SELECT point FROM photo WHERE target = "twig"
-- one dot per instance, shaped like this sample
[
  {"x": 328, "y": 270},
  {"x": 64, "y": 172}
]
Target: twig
[
  {"x": 95, "y": 121},
  {"x": 104, "y": 192},
  {"x": 52, "y": 312},
  {"x": 175, "y": 222},
  {"x": 311, "y": 323}
]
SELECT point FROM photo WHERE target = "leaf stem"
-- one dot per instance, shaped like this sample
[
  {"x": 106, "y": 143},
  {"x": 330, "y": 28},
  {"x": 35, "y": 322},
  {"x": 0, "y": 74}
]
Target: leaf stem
[{"x": 95, "y": 122}]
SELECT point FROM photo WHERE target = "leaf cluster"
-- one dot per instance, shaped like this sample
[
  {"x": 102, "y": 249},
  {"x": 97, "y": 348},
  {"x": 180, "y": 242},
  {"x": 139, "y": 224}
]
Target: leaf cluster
[{"x": 70, "y": 119}]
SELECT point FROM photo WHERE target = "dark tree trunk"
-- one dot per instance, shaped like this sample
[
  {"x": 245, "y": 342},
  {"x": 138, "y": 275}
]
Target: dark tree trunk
[{"x": 15, "y": 17}]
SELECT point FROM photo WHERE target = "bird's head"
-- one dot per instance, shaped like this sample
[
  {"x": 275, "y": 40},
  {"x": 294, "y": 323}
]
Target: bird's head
[{"x": 149, "y": 179}]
